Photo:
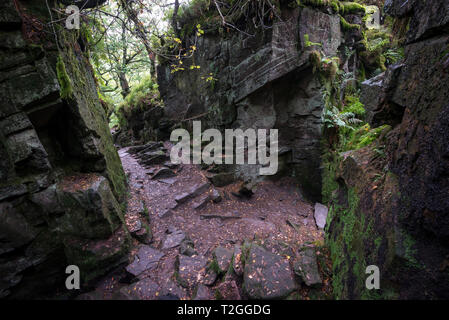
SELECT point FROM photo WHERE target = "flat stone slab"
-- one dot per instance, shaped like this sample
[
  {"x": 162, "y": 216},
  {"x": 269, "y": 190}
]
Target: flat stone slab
[
  {"x": 171, "y": 290},
  {"x": 174, "y": 239},
  {"x": 202, "y": 202},
  {"x": 169, "y": 181},
  {"x": 145, "y": 259},
  {"x": 267, "y": 275},
  {"x": 183, "y": 197},
  {"x": 163, "y": 173},
  {"x": 226, "y": 216},
  {"x": 306, "y": 267},
  {"x": 165, "y": 213},
  {"x": 145, "y": 289},
  {"x": 320, "y": 215},
  {"x": 228, "y": 290},
  {"x": 199, "y": 189},
  {"x": 190, "y": 270},
  {"x": 202, "y": 293}
]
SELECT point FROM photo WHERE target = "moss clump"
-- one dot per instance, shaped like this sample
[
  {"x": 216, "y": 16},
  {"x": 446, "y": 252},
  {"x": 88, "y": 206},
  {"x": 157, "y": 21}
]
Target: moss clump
[
  {"x": 66, "y": 89},
  {"x": 346, "y": 26},
  {"x": 343, "y": 7},
  {"x": 308, "y": 43},
  {"x": 351, "y": 7},
  {"x": 315, "y": 60}
]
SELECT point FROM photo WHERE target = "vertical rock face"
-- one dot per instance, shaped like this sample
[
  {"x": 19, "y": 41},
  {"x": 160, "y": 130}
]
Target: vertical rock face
[
  {"x": 263, "y": 81},
  {"x": 393, "y": 211},
  {"x": 61, "y": 178}
]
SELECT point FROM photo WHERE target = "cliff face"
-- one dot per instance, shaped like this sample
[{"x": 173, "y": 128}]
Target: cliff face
[
  {"x": 388, "y": 201},
  {"x": 263, "y": 81},
  {"x": 61, "y": 177},
  {"x": 391, "y": 204}
]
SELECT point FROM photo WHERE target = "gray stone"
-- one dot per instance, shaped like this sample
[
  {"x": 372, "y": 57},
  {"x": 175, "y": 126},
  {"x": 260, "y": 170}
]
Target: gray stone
[
  {"x": 228, "y": 290},
  {"x": 223, "y": 259},
  {"x": 173, "y": 240},
  {"x": 152, "y": 158},
  {"x": 201, "y": 202},
  {"x": 146, "y": 258},
  {"x": 190, "y": 270},
  {"x": 215, "y": 196},
  {"x": 91, "y": 209},
  {"x": 14, "y": 123},
  {"x": 267, "y": 275},
  {"x": 12, "y": 191},
  {"x": 187, "y": 248},
  {"x": 183, "y": 197},
  {"x": 202, "y": 292},
  {"x": 226, "y": 216},
  {"x": 165, "y": 213},
  {"x": 306, "y": 267},
  {"x": 320, "y": 215},
  {"x": 427, "y": 18},
  {"x": 169, "y": 181},
  {"x": 221, "y": 179},
  {"x": 172, "y": 290},
  {"x": 237, "y": 262},
  {"x": 145, "y": 289},
  {"x": 199, "y": 189},
  {"x": 163, "y": 173}
]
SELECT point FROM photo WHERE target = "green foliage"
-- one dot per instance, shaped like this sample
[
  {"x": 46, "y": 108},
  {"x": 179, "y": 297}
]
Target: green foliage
[
  {"x": 143, "y": 94},
  {"x": 66, "y": 89},
  {"x": 370, "y": 136},
  {"x": 354, "y": 105}
]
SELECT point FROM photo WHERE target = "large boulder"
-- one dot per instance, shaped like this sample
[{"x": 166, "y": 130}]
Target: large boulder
[{"x": 267, "y": 275}]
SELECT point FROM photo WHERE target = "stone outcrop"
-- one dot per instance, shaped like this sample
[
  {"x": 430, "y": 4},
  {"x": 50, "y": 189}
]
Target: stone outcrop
[
  {"x": 61, "y": 178},
  {"x": 390, "y": 207},
  {"x": 262, "y": 81}
]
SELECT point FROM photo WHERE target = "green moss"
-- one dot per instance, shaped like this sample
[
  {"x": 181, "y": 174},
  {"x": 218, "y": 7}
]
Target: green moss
[
  {"x": 66, "y": 90},
  {"x": 351, "y": 7},
  {"x": 315, "y": 60},
  {"x": 346, "y": 26},
  {"x": 308, "y": 43},
  {"x": 329, "y": 184}
]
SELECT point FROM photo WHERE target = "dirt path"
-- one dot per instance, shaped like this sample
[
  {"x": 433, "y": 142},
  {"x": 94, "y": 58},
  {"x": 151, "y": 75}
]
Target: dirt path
[{"x": 184, "y": 207}]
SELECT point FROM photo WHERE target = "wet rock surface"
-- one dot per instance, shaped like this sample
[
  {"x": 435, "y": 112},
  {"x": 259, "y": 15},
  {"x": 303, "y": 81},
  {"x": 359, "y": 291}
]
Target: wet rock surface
[
  {"x": 267, "y": 275},
  {"x": 307, "y": 268}
]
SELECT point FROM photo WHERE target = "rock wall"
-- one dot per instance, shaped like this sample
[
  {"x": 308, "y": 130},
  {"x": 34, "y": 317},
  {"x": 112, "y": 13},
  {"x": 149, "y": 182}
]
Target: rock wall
[
  {"x": 390, "y": 207},
  {"x": 61, "y": 178},
  {"x": 263, "y": 81}
]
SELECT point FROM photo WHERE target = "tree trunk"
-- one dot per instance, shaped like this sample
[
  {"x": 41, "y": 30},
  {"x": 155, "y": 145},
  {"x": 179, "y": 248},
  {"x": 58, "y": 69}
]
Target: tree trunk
[{"x": 123, "y": 84}]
